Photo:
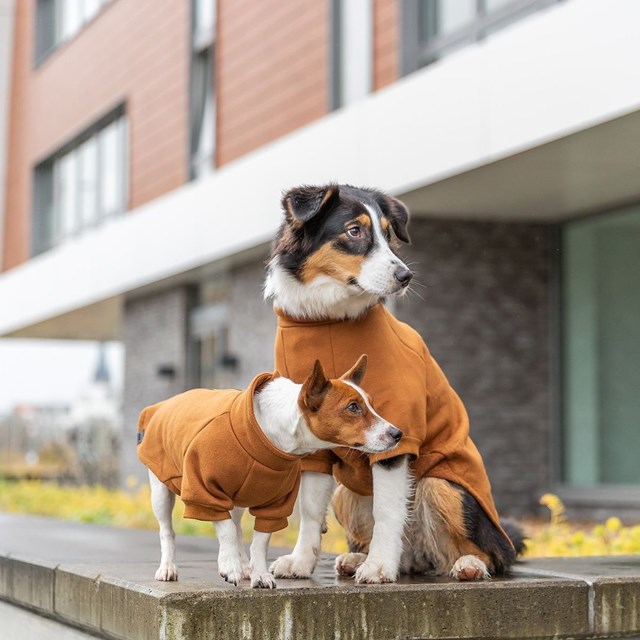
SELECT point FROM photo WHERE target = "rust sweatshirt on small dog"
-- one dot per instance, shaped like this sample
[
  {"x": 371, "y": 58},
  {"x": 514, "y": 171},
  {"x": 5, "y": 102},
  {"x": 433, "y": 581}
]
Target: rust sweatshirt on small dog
[
  {"x": 407, "y": 388},
  {"x": 206, "y": 446}
]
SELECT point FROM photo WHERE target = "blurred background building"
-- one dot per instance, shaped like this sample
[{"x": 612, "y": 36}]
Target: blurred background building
[{"x": 144, "y": 145}]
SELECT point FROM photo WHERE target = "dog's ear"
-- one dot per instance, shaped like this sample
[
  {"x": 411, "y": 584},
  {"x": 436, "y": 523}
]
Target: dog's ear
[
  {"x": 304, "y": 203},
  {"x": 398, "y": 215},
  {"x": 356, "y": 373},
  {"x": 314, "y": 388}
]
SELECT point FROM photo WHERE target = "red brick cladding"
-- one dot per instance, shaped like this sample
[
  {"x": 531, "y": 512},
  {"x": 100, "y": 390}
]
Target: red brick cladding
[
  {"x": 135, "y": 51},
  {"x": 272, "y": 70}
]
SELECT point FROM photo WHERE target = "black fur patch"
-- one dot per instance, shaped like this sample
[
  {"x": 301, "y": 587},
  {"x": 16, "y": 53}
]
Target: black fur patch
[
  {"x": 391, "y": 463},
  {"x": 482, "y": 532}
]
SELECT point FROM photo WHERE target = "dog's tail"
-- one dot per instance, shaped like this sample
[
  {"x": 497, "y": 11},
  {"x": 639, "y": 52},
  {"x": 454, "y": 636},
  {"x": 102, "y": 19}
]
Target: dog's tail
[{"x": 516, "y": 534}]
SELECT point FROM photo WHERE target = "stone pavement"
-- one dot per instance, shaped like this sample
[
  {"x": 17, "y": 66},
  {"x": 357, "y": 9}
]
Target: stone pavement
[{"x": 99, "y": 580}]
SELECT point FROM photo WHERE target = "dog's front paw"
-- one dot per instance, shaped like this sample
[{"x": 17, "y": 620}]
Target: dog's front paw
[
  {"x": 167, "y": 572},
  {"x": 293, "y": 566},
  {"x": 469, "y": 568},
  {"x": 348, "y": 563},
  {"x": 371, "y": 572},
  {"x": 231, "y": 570},
  {"x": 262, "y": 581}
]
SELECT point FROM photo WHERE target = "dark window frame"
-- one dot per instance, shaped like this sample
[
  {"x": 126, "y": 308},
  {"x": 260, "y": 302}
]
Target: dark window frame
[
  {"x": 589, "y": 498},
  {"x": 44, "y": 181},
  {"x": 46, "y": 36},
  {"x": 417, "y": 54}
]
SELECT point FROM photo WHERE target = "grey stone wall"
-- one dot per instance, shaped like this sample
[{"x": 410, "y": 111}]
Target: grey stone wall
[
  {"x": 155, "y": 334},
  {"x": 252, "y": 323},
  {"x": 485, "y": 317}
]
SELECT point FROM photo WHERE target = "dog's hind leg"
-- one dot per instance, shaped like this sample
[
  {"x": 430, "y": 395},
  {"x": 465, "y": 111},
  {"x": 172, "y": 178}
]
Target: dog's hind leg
[
  {"x": 313, "y": 500},
  {"x": 162, "y": 502},
  {"x": 355, "y": 514},
  {"x": 451, "y": 529}
]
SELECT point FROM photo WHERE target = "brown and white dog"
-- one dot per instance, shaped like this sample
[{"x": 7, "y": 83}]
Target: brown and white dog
[
  {"x": 334, "y": 260},
  {"x": 185, "y": 446}
]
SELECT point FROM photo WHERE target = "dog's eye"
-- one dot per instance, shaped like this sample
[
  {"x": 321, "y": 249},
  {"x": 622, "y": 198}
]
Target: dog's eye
[
  {"x": 354, "y": 407},
  {"x": 354, "y": 232}
]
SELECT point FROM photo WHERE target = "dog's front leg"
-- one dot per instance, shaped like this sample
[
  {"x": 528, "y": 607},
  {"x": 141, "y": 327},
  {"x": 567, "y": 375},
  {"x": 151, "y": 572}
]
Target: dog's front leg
[
  {"x": 315, "y": 494},
  {"x": 260, "y": 577},
  {"x": 391, "y": 491},
  {"x": 229, "y": 556}
]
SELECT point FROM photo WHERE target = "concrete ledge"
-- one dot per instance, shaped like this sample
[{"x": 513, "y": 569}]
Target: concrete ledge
[{"x": 100, "y": 580}]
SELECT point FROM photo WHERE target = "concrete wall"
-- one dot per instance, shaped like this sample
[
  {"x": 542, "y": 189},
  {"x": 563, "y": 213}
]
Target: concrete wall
[
  {"x": 485, "y": 318},
  {"x": 155, "y": 334}
]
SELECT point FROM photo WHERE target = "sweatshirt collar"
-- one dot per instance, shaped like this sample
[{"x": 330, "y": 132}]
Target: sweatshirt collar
[
  {"x": 285, "y": 320},
  {"x": 248, "y": 431}
]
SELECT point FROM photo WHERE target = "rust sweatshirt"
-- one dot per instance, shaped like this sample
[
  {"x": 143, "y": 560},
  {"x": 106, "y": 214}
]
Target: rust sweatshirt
[
  {"x": 207, "y": 447},
  {"x": 407, "y": 388}
]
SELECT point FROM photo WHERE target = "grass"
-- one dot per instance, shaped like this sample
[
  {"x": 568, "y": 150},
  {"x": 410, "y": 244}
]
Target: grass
[{"x": 554, "y": 537}]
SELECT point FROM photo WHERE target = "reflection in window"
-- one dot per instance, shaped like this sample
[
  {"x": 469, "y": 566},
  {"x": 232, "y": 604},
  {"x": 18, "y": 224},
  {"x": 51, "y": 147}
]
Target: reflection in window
[
  {"x": 203, "y": 110},
  {"x": 60, "y": 20},
  {"x": 352, "y": 63},
  {"x": 433, "y": 28},
  {"x": 601, "y": 349},
  {"x": 82, "y": 184}
]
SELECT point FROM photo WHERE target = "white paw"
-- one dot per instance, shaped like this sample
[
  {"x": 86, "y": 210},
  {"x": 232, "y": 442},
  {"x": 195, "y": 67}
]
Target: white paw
[
  {"x": 262, "y": 581},
  {"x": 371, "y": 572},
  {"x": 469, "y": 568},
  {"x": 167, "y": 572},
  {"x": 231, "y": 570},
  {"x": 293, "y": 566},
  {"x": 348, "y": 563}
]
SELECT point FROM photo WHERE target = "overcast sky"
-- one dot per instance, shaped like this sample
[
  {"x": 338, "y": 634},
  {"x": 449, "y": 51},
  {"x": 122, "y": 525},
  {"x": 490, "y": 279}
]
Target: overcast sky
[{"x": 51, "y": 371}]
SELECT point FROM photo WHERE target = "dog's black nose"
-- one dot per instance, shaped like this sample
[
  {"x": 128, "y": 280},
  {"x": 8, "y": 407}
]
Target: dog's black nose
[
  {"x": 403, "y": 275},
  {"x": 396, "y": 434}
]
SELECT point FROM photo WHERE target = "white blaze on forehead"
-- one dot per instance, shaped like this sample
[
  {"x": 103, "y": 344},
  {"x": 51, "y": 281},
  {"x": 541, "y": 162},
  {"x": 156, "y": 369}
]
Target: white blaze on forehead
[
  {"x": 377, "y": 229},
  {"x": 364, "y": 397},
  {"x": 377, "y": 274},
  {"x": 377, "y": 431}
]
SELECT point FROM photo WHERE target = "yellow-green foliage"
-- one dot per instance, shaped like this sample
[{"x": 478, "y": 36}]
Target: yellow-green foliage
[
  {"x": 100, "y": 505},
  {"x": 560, "y": 538},
  {"x": 133, "y": 509}
]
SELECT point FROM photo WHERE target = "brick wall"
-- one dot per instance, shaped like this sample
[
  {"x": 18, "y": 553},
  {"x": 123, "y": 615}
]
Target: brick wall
[
  {"x": 155, "y": 333},
  {"x": 485, "y": 317},
  {"x": 253, "y": 323},
  {"x": 136, "y": 51}
]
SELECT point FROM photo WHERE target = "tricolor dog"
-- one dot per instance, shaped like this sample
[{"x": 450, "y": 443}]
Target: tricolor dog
[
  {"x": 426, "y": 505},
  {"x": 225, "y": 450}
]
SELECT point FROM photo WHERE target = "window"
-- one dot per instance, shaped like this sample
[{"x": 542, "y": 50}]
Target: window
[
  {"x": 433, "y": 28},
  {"x": 352, "y": 50},
  {"x": 60, "y": 20},
  {"x": 81, "y": 185},
  {"x": 601, "y": 349},
  {"x": 203, "y": 111}
]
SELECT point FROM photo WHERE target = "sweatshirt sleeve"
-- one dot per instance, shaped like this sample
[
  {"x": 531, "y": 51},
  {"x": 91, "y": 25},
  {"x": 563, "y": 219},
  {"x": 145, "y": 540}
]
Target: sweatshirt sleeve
[
  {"x": 202, "y": 491},
  {"x": 273, "y": 516}
]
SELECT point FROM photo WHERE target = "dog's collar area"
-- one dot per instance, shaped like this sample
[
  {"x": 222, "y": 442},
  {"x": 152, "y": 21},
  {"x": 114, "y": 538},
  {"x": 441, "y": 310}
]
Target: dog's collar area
[{"x": 287, "y": 320}]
